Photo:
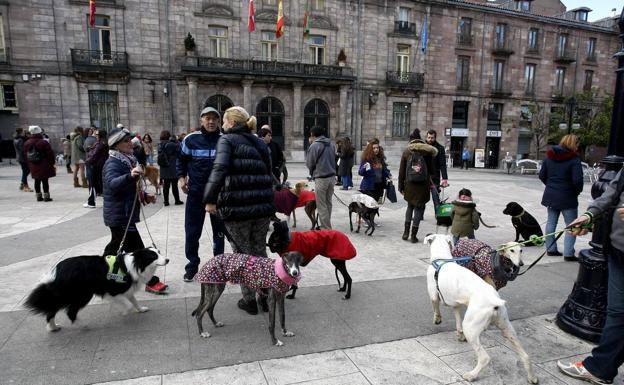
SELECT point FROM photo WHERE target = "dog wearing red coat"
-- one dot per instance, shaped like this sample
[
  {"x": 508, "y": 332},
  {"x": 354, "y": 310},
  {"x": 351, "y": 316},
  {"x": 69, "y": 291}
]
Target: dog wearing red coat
[
  {"x": 331, "y": 244},
  {"x": 289, "y": 199}
]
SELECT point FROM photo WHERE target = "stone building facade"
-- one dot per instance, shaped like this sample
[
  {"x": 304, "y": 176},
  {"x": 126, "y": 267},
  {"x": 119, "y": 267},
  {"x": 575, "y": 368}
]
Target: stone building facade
[{"x": 362, "y": 70}]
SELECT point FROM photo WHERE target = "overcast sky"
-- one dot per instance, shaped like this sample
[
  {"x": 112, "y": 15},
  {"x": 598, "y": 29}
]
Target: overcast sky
[{"x": 600, "y": 8}]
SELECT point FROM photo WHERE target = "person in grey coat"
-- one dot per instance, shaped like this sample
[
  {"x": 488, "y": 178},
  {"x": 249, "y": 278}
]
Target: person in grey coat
[
  {"x": 321, "y": 163},
  {"x": 602, "y": 365}
]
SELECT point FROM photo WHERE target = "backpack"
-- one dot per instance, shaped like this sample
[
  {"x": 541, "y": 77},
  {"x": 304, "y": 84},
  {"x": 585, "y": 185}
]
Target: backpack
[
  {"x": 33, "y": 155},
  {"x": 163, "y": 160},
  {"x": 416, "y": 169}
]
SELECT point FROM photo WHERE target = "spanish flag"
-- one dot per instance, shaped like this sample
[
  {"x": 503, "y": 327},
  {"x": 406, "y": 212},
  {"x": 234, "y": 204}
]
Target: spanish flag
[
  {"x": 92, "y": 13},
  {"x": 306, "y": 22},
  {"x": 280, "y": 20}
]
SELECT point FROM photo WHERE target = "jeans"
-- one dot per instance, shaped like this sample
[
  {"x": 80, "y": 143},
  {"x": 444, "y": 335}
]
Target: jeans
[
  {"x": 608, "y": 356},
  {"x": 42, "y": 182},
  {"x": 324, "y": 192},
  {"x": 25, "y": 172},
  {"x": 91, "y": 180},
  {"x": 346, "y": 182},
  {"x": 568, "y": 242},
  {"x": 456, "y": 237},
  {"x": 194, "y": 216}
]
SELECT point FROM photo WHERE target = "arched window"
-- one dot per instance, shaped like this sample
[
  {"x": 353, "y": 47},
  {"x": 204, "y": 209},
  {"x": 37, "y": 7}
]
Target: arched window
[
  {"x": 271, "y": 111},
  {"x": 315, "y": 113},
  {"x": 219, "y": 103}
]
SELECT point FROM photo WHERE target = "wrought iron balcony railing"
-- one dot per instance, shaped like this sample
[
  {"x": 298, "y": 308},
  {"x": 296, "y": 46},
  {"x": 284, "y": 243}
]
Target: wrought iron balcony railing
[
  {"x": 566, "y": 55},
  {"x": 501, "y": 89},
  {"x": 463, "y": 85},
  {"x": 464, "y": 39},
  {"x": 83, "y": 59},
  {"x": 404, "y": 28},
  {"x": 591, "y": 57},
  {"x": 559, "y": 93},
  {"x": 411, "y": 80},
  {"x": 502, "y": 47},
  {"x": 266, "y": 68},
  {"x": 535, "y": 50}
]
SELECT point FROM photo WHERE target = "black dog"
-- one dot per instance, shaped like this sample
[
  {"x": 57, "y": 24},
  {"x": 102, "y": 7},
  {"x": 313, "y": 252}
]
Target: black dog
[
  {"x": 524, "y": 223},
  {"x": 331, "y": 244},
  {"x": 74, "y": 281},
  {"x": 363, "y": 213}
]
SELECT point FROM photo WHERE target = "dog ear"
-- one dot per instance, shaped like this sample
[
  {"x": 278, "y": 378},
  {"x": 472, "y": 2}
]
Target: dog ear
[{"x": 429, "y": 239}]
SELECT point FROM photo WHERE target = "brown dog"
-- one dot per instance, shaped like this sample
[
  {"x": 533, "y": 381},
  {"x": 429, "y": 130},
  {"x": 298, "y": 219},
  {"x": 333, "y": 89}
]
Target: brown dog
[
  {"x": 287, "y": 200},
  {"x": 152, "y": 174}
]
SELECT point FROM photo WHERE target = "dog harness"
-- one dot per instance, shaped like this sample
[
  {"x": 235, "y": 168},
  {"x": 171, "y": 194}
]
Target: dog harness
[
  {"x": 482, "y": 259},
  {"x": 115, "y": 273},
  {"x": 329, "y": 243},
  {"x": 437, "y": 265},
  {"x": 251, "y": 271}
]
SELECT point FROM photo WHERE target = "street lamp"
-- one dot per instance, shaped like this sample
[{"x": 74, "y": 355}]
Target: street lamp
[
  {"x": 571, "y": 107},
  {"x": 584, "y": 312}
]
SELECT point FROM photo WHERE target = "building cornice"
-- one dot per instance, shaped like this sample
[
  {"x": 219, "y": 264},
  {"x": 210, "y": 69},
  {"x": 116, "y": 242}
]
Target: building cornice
[{"x": 521, "y": 15}]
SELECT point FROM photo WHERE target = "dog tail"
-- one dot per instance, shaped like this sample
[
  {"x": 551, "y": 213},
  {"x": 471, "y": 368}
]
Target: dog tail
[{"x": 42, "y": 300}]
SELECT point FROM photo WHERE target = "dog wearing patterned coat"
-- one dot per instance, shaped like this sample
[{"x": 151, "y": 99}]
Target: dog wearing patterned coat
[
  {"x": 481, "y": 264},
  {"x": 276, "y": 275}
]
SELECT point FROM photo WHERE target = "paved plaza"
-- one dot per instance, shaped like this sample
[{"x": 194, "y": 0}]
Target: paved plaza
[{"x": 383, "y": 335}]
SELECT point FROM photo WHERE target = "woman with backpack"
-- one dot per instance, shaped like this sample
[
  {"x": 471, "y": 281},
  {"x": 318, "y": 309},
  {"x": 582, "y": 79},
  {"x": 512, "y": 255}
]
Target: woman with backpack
[
  {"x": 415, "y": 181},
  {"x": 40, "y": 158},
  {"x": 167, "y": 155},
  {"x": 374, "y": 170}
]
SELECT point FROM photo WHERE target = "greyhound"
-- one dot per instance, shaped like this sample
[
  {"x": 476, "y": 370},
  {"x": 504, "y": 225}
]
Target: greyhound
[
  {"x": 457, "y": 286},
  {"x": 276, "y": 275}
]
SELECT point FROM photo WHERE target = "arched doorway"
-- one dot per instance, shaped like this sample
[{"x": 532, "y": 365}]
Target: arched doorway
[
  {"x": 271, "y": 111},
  {"x": 219, "y": 103},
  {"x": 315, "y": 113}
]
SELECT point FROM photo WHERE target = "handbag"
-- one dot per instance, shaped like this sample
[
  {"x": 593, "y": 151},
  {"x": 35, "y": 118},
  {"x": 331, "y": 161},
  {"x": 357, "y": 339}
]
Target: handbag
[{"x": 391, "y": 192}]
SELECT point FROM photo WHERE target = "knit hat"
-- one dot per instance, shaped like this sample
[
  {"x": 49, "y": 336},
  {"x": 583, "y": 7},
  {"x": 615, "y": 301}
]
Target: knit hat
[
  {"x": 116, "y": 136},
  {"x": 34, "y": 130},
  {"x": 136, "y": 142},
  {"x": 120, "y": 126}
]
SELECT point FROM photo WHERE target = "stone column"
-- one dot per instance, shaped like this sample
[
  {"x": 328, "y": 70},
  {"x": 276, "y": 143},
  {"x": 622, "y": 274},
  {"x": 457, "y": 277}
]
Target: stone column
[
  {"x": 247, "y": 95},
  {"x": 342, "y": 114},
  {"x": 193, "y": 102},
  {"x": 296, "y": 119}
]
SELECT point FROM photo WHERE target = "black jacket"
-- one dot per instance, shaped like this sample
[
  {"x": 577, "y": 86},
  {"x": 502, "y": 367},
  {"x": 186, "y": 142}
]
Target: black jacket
[
  {"x": 438, "y": 164},
  {"x": 241, "y": 182}
]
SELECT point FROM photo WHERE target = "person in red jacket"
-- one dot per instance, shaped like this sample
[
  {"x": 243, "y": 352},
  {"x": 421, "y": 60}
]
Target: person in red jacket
[{"x": 40, "y": 158}]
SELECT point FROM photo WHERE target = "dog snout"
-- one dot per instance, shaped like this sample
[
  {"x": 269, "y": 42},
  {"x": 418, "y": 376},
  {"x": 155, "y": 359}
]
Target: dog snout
[
  {"x": 294, "y": 272},
  {"x": 521, "y": 263}
]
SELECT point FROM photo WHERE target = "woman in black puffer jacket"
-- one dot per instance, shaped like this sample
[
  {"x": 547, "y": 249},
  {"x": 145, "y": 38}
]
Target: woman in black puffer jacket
[{"x": 240, "y": 190}]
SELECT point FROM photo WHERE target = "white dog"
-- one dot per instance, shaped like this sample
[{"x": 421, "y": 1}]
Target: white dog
[{"x": 457, "y": 286}]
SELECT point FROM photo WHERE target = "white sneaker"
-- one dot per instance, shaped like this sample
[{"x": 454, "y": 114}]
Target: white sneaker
[{"x": 88, "y": 206}]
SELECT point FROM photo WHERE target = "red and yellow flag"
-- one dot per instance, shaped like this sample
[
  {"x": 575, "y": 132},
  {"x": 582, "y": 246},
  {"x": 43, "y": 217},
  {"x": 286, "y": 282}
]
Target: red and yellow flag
[
  {"x": 306, "y": 22},
  {"x": 280, "y": 20},
  {"x": 92, "y": 13}
]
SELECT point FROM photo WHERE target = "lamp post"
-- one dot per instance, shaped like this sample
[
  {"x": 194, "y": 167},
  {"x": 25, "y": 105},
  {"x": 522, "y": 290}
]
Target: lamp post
[
  {"x": 584, "y": 312},
  {"x": 571, "y": 107}
]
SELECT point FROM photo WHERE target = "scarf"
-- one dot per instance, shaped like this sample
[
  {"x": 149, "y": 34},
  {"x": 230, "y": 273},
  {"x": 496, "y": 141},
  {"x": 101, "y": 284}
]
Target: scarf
[{"x": 128, "y": 160}]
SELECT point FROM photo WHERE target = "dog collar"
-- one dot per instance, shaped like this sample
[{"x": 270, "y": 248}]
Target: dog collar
[
  {"x": 112, "y": 275},
  {"x": 282, "y": 274},
  {"x": 519, "y": 215}
]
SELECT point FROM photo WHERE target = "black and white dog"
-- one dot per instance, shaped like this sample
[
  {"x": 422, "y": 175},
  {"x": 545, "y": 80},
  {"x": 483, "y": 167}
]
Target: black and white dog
[
  {"x": 365, "y": 207},
  {"x": 74, "y": 281}
]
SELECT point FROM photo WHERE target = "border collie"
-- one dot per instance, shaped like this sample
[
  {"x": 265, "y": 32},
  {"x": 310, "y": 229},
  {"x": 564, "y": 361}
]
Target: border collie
[{"x": 74, "y": 281}]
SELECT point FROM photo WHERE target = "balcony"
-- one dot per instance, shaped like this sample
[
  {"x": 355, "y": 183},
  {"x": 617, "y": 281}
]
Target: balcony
[
  {"x": 502, "y": 47},
  {"x": 463, "y": 85},
  {"x": 95, "y": 64},
  {"x": 238, "y": 68},
  {"x": 533, "y": 51},
  {"x": 500, "y": 90},
  {"x": 559, "y": 93},
  {"x": 565, "y": 56},
  {"x": 404, "y": 28},
  {"x": 591, "y": 58},
  {"x": 405, "y": 80},
  {"x": 464, "y": 40}
]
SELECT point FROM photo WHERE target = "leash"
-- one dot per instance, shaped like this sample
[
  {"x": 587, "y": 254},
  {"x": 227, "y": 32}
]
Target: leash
[
  {"x": 340, "y": 200},
  {"x": 123, "y": 239},
  {"x": 544, "y": 253}
]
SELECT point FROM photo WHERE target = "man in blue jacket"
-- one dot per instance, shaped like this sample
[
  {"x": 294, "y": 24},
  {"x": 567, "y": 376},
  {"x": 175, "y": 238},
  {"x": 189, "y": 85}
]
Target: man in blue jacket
[{"x": 193, "y": 167}]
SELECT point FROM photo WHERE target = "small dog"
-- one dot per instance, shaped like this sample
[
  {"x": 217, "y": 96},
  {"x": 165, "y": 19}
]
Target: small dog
[
  {"x": 74, "y": 281},
  {"x": 524, "y": 223},
  {"x": 510, "y": 257},
  {"x": 289, "y": 199},
  {"x": 457, "y": 286},
  {"x": 331, "y": 244},
  {"x": 277, "y": 275},
  {"x": 60, "y": 160},
  {"x": 366, "y": 208},
  {"x": 152, "y": 174}
]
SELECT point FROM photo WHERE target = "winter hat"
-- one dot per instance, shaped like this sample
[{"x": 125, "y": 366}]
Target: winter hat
[
  {"x": 34, "y": 130},
  {"x": 136, "y": 142},
  {"x": 117, "y": 136},
  {"x": 120, "y": 126}
]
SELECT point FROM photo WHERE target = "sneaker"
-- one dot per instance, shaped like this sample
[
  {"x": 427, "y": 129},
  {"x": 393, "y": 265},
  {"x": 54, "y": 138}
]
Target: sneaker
[
  {"x": 577, "y": 370},
  {"x": 570, "y": 258},
  {"x": 188, "y": 277},
  {"x": 88, "y": 206},
  {"x": 554, "y": 254},
  {"x": 157, "y": 288},
  {"x": 178, "y": 203},
  {"x": 251, "y": 307}
]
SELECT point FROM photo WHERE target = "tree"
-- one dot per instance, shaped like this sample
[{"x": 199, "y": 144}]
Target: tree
[
  {"x": 533, "y": 116},
  {"x": 594, "y": 117}
]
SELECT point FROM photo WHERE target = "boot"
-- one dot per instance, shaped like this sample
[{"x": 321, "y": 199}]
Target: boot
[
  {"x": 76, "y": 184},
  {"x": 39, "y": 197},
  {"x": 406, "y": 231},
  {"x": 85, "y": 184},
  {"x": 27, "y": 189},
  {"x": 69, "y": 170},
  {"x": 413, "y": 238},
  {"x": 21, "y": 187},
  {"x": 46, "y": 197}
]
